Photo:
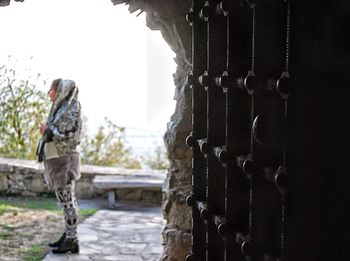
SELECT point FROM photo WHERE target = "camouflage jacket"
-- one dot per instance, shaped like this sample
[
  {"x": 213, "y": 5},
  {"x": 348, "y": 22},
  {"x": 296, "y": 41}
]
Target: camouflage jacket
[{"x": 64, "y": 121}]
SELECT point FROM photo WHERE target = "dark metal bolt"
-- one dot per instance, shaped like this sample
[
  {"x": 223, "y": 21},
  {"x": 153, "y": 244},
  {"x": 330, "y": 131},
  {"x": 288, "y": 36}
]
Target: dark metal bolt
[
  {"x": 204, "y": 13},
  {"x": 283, "y": 84},
  {"x": 204, "y": 79},
  {"x": 223, "y": 81},
  {"x": 190, "y": 16},
  {"x": 223, "y": 156},
  {"x": 223, "y": 230},
  {"x": 190, "y": 141},
  {"x": 250, "y": 82},
  {"x": 222, "y": 7},
  {"x": 203, "y": 210},
  {"x": 281, "y": 179},
  {"x": 220, "y": 223},
  {"x": 204, "y": 146},
  {"x": 248, "y": 167},
  {"x": 191, "y": 257},
  {"x": 190, "y": 79},
  {"x": 269, "y": 130},
  {"x": 245, "y": 248},
  {"x": 191, "y": 200},
  {"x": 204, "y": 214}
]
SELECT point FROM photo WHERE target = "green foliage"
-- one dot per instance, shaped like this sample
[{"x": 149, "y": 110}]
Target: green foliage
[
  {"x": 157, "y": 159},
  {"x": 107, "y": 147},
  {"x": 35, "y": 253},
  {"x": 22, "y": 108}
]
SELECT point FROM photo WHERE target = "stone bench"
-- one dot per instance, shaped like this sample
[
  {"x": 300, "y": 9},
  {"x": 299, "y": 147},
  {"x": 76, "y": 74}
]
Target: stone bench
[{"x": 113, "y": 182}]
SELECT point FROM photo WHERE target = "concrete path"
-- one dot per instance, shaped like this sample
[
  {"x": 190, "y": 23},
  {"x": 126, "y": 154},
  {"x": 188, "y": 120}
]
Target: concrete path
[{"x": 129, "y": 233}]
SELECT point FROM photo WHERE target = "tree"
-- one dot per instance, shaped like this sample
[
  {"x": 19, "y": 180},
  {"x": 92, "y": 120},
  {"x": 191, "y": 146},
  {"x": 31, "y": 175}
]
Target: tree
[
  {"x": 22, "y": 108},
  {"x": 107, "y": 147},
  {"x": 157, "y": 159}
]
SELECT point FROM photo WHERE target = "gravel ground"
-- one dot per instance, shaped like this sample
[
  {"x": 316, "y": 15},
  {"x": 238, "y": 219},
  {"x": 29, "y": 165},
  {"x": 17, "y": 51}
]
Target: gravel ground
[{"x": 21, "y": 229}]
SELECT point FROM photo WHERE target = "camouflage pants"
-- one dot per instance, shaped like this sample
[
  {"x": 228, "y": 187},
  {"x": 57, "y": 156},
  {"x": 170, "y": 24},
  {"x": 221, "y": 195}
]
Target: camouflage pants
[{"x": 67, "y": 200}]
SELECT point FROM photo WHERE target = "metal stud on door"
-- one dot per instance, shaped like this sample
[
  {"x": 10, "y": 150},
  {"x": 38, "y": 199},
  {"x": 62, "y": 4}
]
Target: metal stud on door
[
  {"x": 216, "y": 28},
  {"x": 196, "y": 139}
]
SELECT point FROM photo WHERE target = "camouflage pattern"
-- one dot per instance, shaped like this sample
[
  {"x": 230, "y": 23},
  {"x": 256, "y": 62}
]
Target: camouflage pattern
[
  {"x": 65, "y": 118},
  {"x": 68, "y": 202}
]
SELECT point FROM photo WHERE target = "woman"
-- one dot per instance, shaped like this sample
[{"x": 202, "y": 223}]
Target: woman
[{"x": 61, "y": 135}]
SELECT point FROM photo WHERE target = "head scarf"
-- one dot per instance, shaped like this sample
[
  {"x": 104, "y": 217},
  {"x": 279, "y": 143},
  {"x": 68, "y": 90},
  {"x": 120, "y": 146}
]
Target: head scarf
[{"x": 66, "y": 95}]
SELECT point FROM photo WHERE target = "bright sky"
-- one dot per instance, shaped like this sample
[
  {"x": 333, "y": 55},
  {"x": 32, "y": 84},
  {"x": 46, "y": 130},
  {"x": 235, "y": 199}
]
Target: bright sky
[{"x": 123, "y": 69}]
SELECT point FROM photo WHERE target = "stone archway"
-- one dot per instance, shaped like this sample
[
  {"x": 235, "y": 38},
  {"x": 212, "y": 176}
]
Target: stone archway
[{"x": 169, "y": 18}]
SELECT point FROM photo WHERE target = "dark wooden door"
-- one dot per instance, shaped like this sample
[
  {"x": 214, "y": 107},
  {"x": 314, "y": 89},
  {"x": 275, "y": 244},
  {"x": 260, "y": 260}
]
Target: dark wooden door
[{"x": 250, "y": 118}]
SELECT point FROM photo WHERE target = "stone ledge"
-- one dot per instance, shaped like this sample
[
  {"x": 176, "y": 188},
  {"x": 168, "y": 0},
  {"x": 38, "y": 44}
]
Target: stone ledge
[
  {"x": 7, "y": 164},
  {"x": 26, "y": 178}
]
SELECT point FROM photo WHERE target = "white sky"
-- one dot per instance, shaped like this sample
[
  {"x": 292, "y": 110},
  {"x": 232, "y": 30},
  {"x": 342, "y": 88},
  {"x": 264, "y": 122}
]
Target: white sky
[{"x": 113, "y": 57}]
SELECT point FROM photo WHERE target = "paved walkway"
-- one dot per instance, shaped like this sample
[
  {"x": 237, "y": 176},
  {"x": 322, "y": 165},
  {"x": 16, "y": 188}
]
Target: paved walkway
[{"x": 129, "y": 233}]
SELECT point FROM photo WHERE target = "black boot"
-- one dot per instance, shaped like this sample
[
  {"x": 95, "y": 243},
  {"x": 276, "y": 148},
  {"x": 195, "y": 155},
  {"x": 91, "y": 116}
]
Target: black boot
[
  {"x": 68, "y": 245},
  {"x": 58, "y": 242}
]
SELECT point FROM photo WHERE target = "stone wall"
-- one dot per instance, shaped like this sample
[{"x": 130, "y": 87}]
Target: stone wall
[{"x": 26, "y": 178}]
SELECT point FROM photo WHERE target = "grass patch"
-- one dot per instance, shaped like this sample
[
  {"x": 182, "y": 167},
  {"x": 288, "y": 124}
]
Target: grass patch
[
  {"x": 49, "y": 204},
  {"x": 40, "y": 204},
  {"x": 83, "y": 213},
  {"x": 12, "y": 205},
  {"x": 35, "y": 253},
  {"x": 4, "y": 208},
  {"x": 87, "y": 212}
]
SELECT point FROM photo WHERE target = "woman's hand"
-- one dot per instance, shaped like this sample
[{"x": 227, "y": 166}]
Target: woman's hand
[{"x": 42, "y": 128}]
